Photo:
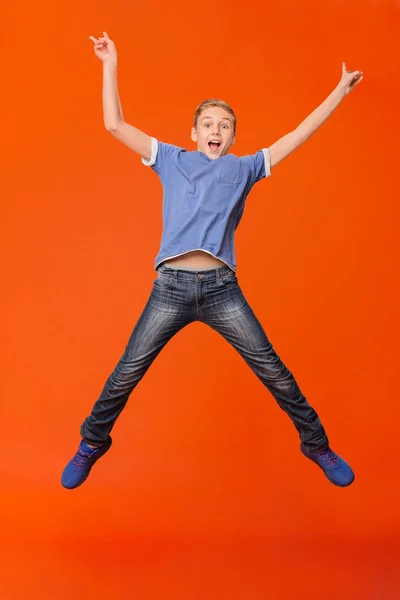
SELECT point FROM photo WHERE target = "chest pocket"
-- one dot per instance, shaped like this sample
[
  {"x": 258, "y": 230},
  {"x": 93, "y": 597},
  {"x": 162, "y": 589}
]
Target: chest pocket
[{"x": 230, "y": 170}]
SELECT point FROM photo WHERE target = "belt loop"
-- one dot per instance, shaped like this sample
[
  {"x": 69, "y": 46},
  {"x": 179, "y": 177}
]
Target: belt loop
[
  {"x": 220, "y": 281},
  {"x": 174, "y": 276}
]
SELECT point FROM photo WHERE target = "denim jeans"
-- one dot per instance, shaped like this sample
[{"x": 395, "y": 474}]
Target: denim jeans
[{"x": 213, "y": 297}]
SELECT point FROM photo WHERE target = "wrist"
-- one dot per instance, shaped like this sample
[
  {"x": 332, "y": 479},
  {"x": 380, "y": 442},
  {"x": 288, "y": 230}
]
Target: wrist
[
  {"x": 340, "y": 90},
  {"x": 110, "y": 64}
]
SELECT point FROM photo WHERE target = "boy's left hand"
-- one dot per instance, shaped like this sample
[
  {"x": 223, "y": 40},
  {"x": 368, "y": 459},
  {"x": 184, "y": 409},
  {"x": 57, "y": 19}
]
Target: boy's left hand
[{"x": 349, "y": 80}]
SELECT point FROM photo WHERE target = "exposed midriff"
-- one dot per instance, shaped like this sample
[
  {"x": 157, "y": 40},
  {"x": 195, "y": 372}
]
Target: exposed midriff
[{"x": 195, "y": 259}]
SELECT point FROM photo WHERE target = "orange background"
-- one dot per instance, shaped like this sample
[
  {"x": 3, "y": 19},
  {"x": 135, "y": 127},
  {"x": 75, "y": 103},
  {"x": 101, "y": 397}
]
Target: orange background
[{"x": 204, "y": 494}]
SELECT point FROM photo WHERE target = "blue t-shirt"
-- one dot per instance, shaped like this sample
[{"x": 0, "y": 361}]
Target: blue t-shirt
[{"x": 203, "y": 199}]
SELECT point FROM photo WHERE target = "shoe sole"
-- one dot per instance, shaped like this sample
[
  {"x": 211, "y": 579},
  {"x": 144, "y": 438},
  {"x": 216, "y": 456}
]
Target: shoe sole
[{"x": 342, "y": 485}]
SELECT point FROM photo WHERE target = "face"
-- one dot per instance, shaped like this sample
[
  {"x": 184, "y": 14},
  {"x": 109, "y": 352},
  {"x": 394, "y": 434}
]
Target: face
[{"x": 214, "y": 125}]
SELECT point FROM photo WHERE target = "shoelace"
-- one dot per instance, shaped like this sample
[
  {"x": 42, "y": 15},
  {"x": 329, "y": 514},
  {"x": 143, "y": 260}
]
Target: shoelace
[
  {"x": 80, "y": 458},
  {"x": 329, "y": 457}
]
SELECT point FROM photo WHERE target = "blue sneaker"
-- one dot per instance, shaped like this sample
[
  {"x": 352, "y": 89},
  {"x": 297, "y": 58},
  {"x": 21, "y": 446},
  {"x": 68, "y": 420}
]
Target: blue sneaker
[
  {"x": 335, "y": 468},
  {"x": 78, "y": 468}
]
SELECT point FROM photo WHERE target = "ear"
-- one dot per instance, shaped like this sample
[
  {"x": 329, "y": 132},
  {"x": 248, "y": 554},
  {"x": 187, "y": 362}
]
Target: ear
[{"x": 194, "y": 135}]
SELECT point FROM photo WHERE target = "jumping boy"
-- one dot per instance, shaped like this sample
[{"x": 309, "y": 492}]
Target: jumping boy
[{"x": 204, "y": 197}]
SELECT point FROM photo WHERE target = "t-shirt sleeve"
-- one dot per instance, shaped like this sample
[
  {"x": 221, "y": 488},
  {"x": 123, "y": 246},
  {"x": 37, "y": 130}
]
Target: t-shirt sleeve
[
  {"x": 259, "y": 163},
  {"x": 161, "y": 153}
]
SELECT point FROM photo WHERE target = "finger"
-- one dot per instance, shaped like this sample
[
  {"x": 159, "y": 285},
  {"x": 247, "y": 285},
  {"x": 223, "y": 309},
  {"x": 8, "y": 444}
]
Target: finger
[
  {"x": 344, "y": 69},
  {"x": 105, "y": 34},
  {"x": 354, "y": 84},
  {"x": 92, "y": 38}
]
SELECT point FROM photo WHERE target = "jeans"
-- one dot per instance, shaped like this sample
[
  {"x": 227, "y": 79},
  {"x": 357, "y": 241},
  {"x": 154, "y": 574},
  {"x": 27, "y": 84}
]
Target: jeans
[{"x": 213, "y": 297}]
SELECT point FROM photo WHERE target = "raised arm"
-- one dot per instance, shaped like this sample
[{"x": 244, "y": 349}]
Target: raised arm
[
  {"x": 136, "y": 140},
  {"x": 289, "y": 142}
]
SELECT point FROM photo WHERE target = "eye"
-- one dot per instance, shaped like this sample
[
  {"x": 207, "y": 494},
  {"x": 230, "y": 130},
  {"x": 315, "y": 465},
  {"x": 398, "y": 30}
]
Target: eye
[{"x": 206, "y": 124}]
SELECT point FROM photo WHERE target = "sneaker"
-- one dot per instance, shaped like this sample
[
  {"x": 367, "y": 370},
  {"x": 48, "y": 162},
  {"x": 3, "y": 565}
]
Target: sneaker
[
  {"x": 335, "y": 468},
  {"x": 78, "y": 468}
]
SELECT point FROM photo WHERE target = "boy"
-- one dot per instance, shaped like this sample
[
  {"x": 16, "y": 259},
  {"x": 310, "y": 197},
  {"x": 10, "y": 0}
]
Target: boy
[{"x": 204, "y": 197}]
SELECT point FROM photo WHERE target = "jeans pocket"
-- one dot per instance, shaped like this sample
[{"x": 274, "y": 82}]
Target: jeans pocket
[
  {"x": 164, "y": 280},
  {"x": 229, "y": 279}
]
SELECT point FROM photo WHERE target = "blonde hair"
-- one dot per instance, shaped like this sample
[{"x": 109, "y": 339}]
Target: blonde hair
[{"x": 214, "y": 102}]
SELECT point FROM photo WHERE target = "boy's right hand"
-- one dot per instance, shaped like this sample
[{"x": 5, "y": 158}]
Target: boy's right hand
[{"x": 104, "y": 48}]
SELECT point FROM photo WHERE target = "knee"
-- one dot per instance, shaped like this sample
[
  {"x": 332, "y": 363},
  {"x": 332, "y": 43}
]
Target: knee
[
  {"x": 277, "y": 370},
  {"x": 125, "y": 374}
]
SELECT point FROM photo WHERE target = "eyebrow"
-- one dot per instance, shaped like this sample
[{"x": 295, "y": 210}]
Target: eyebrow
[{"x": 223, "y": 119}]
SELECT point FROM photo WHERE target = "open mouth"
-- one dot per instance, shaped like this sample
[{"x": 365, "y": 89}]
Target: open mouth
[{"x": 214, "y": 145}]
